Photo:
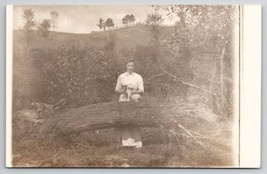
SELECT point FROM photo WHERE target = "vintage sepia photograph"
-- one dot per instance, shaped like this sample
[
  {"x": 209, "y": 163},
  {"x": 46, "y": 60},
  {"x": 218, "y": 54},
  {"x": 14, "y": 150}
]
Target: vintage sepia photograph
[{"x": 124, "y": 86}]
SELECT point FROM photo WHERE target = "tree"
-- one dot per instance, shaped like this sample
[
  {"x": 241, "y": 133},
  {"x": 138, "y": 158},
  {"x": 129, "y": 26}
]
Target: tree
[
  {"x": 204, "y": 34},
  {"x": 109, "y": 23},
  {"x": 100, "y": 23},
  {"x": 44, "y": 27},
  {"x": 29, "y": 23},
  {"x": 54, "y": 17},
  {"x": 128, "y": 19},
  {"x": 125, "y": 20},
  {"x": 132, "y": 18},
  {"x": 154, "y": 19}
]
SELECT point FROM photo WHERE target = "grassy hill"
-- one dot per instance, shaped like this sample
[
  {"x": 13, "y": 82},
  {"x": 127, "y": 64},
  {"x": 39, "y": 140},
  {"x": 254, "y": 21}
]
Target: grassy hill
[{"x": 127, "y": 37}]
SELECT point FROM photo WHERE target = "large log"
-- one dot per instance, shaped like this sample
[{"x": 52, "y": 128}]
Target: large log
[{"x": 118, "y": 114}]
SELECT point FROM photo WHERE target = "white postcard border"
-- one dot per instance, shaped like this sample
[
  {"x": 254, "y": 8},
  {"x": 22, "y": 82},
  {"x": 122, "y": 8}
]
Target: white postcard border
[
  {"x": 250, "y": 87},
  {"x": 9, "y": 76}
]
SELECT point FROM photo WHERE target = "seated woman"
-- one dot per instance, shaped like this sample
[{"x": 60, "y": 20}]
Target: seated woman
[{"x": 130, "y": 87}]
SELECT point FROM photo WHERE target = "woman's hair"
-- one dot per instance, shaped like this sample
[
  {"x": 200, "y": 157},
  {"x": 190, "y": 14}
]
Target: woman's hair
[{"x": 129, "y": 60}]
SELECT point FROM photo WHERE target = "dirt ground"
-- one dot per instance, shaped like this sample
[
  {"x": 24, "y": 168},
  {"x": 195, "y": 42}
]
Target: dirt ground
[{"x": 100, "y": 148}]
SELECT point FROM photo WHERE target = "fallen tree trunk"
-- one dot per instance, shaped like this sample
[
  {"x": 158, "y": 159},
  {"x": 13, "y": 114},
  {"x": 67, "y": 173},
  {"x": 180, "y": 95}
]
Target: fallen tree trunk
[{"x": 119, "y": 114}]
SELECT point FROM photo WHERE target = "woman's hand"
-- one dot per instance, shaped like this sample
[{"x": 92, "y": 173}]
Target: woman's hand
[{"x": 123, "y": 89}]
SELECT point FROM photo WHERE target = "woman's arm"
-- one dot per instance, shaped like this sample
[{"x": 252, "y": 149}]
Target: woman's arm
[
  {"x": 121, "y": 90},
  {"x": 119, "y": 87},
  {"x": 140, "y": 88}
]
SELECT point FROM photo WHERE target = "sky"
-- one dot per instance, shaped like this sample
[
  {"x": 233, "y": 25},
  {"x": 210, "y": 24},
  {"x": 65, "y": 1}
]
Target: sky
[{"x": 83, "y": 18}]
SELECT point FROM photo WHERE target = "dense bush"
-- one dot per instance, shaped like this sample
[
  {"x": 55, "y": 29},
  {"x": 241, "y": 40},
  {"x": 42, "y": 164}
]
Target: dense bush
[{"x": 82, "y": 74}]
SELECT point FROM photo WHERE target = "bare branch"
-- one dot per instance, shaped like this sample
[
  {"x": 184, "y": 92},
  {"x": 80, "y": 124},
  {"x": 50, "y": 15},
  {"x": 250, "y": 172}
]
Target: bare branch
[
  {"x": 186, "y": 83},
  {"x": 192, "y": 136},
  {"x": 157, "y": 75}
]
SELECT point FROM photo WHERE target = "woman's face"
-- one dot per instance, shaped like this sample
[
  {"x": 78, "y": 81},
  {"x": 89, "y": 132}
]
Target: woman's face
[{"x": 130, "y": 67}]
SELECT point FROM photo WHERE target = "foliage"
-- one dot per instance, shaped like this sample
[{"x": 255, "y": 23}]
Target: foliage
[
  {"x": 29, "y": 23},
  {"x": 128, "y": 19},
  {"x": 203, "y": 34},
  {"x": 28, "y": 17},
  {"x": 154, "y": 20},
  {"x": 44, "y": 27},
  {"x": 83, "y": 75},
  {"x": 54, "y": 17},
  {"x": 100, "y": 23},
  {"x": 109, "y": 23}
]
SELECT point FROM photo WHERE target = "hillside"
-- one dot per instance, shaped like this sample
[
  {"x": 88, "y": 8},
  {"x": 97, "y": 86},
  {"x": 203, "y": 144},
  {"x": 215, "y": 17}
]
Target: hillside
[{"x": 127, "y": 37}]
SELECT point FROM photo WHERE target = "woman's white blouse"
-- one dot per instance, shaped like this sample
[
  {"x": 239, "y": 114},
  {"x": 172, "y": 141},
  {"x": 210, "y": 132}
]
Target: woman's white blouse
[{"x": 133, "y": 80}]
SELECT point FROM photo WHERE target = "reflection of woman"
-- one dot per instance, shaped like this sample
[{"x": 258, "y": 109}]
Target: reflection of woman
[{"x": 130, "y": 86}]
